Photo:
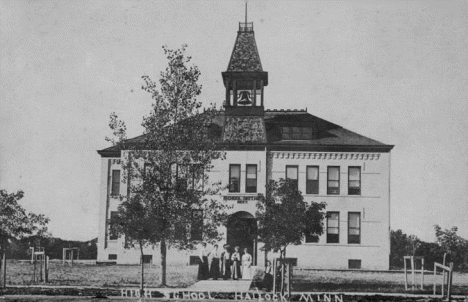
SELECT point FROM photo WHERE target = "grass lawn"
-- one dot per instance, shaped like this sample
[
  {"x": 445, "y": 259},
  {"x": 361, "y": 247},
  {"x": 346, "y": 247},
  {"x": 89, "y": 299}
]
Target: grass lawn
[
  {"x": 86, "y": 273},
  {"x": 356, "y": 281}
]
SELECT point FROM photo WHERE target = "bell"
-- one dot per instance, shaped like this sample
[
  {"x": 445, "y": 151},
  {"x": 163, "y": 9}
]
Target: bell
[{"x": 244, "y": 98}]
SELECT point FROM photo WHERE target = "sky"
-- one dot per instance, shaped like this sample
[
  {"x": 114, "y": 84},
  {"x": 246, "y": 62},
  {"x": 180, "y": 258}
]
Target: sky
[{"x": 395, "y": 71}]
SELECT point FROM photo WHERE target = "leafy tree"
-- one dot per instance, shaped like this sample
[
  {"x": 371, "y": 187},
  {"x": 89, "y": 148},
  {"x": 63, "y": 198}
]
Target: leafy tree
[
  {"x": 402, "y": 245},
  {"x": 452, "y": 244},
  {"x": 16, "y": 223},
  {"x": 284, "y": 218},
  {"x": 166, "y": 169},
  {"x": 432, "y": 252}
]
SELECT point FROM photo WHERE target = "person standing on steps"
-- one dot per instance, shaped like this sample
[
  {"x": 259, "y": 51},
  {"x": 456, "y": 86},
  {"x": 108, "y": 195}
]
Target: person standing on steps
[
  {"x": 203, "y": 271},
  {"x": 214, "y": 267},
  {"x": 226, "y": 262},
  {"x": 236, "y": 263},
  {"x": 246, "y": 265}
]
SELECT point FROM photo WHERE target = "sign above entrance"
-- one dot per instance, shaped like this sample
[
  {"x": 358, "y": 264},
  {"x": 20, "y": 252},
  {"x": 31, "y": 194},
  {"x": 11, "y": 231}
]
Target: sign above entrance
[{"x": 241, "y": 198}]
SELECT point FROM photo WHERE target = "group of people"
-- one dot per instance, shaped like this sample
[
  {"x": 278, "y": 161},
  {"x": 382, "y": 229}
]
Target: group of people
[{"x": 226, "y": 264}]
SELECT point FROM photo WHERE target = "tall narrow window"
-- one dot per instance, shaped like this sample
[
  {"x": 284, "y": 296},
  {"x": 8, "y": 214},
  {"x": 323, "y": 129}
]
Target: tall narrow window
[
  {"x": 115, "y": 182},
  {"x": 112, "y": 227},
  {"x": 292, "y": 173},
  {"x": 333, "y": 227},
  {"x": 234, "y": 178},
  {"x": 197, "y": 178},
  {"x": 312, "y": 182},
  {"x": 333, "y": 181},
  {"x": 196, "y": 230},
  {"x": 354, "y": 227},
  {"x": 354, "y": 181},
  {"x": 251, "y": 179}
]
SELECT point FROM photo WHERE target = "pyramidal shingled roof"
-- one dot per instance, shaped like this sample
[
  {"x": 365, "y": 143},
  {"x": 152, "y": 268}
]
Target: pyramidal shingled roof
[{"x": 245, "y": 55}]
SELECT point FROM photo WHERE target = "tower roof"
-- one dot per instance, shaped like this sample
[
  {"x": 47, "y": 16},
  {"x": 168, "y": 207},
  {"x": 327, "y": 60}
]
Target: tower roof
[{"x": 245, "y": 55}]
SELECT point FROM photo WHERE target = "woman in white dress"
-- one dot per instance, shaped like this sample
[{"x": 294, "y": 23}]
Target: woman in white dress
[{"x": 246, "y": 265}]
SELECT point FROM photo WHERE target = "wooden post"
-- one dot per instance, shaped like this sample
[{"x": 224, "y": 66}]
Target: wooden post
[
  {"x": 234, "y": 92},
  {"x": 435, "y": 276},
  {"x": 422, "y": 273},
  {"x": 4, "y": 263},
  {"x": 261, "y": 92},
  {"x": 274, "y": 275},
  {"x": 406, "y": 276},
  {"x": 44, "y": 271},
  {"x": 228, "y": 93},
  {"x": 34, "y": 268},
  {"x": 254, "y": 93},
  {"x": 443, "y": 273},
  {"x": 412, "y": 272},
  {"x": 64, "y": 255},
  {"x": 449, "y": 283},
  {"x": 71, "y": 257}
]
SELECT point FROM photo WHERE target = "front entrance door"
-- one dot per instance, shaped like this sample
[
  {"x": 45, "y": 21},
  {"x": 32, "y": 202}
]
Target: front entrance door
[{"x": 241, "y": 231}]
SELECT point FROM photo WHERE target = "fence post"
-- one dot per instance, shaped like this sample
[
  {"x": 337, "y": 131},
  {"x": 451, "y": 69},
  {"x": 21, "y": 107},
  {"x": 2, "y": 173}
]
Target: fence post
[
  {"x": 422, "y": 273},
  {"x": 435, "y": 276},
  {"x": 412, "y": 272},
  {"x": 46, "y": 269},
  {"x": 449, "y": 282},
  {"x": 4, "y": 268},
  {"x": 406, "y": 276}
]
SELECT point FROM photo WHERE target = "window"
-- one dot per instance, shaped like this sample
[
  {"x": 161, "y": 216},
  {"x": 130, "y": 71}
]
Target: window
[
  {"x": 147, "y": 259},
  {"x": 196, "y": 230},
  {"x": 354, "y": 263},
  {"x": 354, "y": 228},
  {"x": 251, "y": 179},
  {"x": 333, "y": 227},
  {"x": 296, "y": 133},
  {"x": 115, "y": 182},
  {"x": 333, "y": 181},
  {"x": 312, "y": 182},
  {"x": 234, "y": 178},
  {"x": 197, "y": 177},
  {"x": 354, "y": 181},
  {"x": 112, "y": 257},
  {"x": 112, "y": 231},
  {"x": 292, "y": 173},
  {"x": 309, "y": 238}
]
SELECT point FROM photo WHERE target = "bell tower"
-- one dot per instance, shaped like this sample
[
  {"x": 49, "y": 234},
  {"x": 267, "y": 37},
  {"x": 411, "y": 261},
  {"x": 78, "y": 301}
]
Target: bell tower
[
  {"x": 244, "y": 78},
  {"x": 244, "y": 81}
]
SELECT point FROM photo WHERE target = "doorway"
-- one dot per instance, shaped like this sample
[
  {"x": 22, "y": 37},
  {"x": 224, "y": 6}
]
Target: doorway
[{"x": 242, "y": 232}]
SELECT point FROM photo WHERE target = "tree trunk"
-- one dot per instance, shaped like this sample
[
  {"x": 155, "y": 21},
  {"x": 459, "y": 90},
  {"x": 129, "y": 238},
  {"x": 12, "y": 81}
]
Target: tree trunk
[
  {"x": 163, "y": 261},
  {"x": 142, "y": 271}
]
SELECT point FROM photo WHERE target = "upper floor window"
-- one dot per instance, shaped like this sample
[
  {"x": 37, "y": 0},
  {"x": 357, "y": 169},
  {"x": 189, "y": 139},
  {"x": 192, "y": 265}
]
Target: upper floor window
[
  {"x": 312, "y": 182},
  {"x": 333, "y": 227},
  {"x": 292, "y": 173},
  {"x": 333, "y": 181},
  {"x": 354, "y": 227},
  {"x": 234, "y": 178},
  {"x": 354, "y": 181},
  {"x": 251, "y": 179},
  {"x": 296, "y": 133},
  {"x": 115, "y": 182},
  {"x": 196, "y": 178}
]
